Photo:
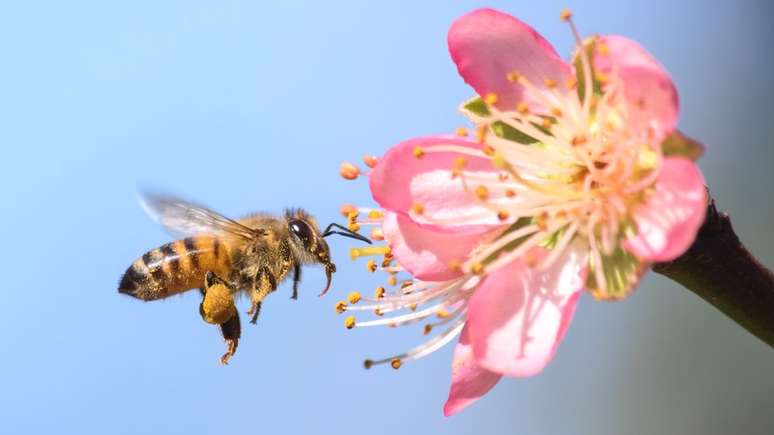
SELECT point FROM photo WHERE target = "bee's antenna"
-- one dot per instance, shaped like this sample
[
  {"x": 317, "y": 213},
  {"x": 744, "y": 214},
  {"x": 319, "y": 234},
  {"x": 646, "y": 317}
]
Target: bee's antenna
[{"x": 346, "y": 233}]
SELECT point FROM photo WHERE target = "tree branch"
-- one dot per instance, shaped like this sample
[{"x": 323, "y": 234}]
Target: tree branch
[{"x": 719, "y": 269}]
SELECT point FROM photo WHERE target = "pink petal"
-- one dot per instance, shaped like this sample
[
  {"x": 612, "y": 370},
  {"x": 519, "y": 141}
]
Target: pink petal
[
  {"x": 652, "y": 97},
  {"x": 486, "y": 45},
  {"x": 469, "y": 380},
  {"x": 426, "y": 252},
  {"x": 400, "y": 180},
  {"x": 668, "y": 221},
  {"x": 518, "y": 316}
]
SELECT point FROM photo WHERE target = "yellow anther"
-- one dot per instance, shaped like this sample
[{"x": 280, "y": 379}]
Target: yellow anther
[
  {"x": 354, "y": 227},
  {"x": 346, "y": 209},
  {"x": 502, "y": 215},
  {"x": 455, "y": 265},
  {"x": 601, "y": 77},
  {"x": 510, "y": 193},
  {"x": 341, "y": 306},
  {"x": 571, "y": 83},
  {"x": 396, "y": 363},
  {"x": 491, "y": 98},
  {"x": 488, "y": 150},
  {"x": 369, "y": 160},
  {"x": 477, "y": 268},
  {"x": 418, "y": 208},
  {"x": 392, "y": 280},
  {"x": 503, "y": 176},
  {"x": 458, "y": 165},
  {"x": 523, "y": 108},
  {"x": 352, "y": 216},
  {"x": 481, "y": 132},
  {"x": 513, "y": 76},
  {"x": 379, "y": 292},
  {"x": 550, "y": 83},
  {"x": 461, "y": 131},
  {"x": 602, "y": 49},
  {"x": 377, "y": 234},
  {"x": 355, "y": 253},
  {"x": 349, "y": 322},
  {"x": 547, "y": 123},
  {"x": 566, "y": 15},
  {"x": 482, "y": 193},
  {"x": 418, "y": 152},
  {"x": 542, "y": 221},
  {"x": 375, "y": 214},
  {"x": 371, "y": 265},
  {"x": 578, "y": 140},
  {"x": 427, "y": 329},
  {"x": 557, "y": 112},
  {"x": 349, "y": 171},
  {"x": 442, "y": 314},
  {"x": 353, "y": 297},
  {"x": 378, "y": 312},
  {"x": 367, "y": 364}
]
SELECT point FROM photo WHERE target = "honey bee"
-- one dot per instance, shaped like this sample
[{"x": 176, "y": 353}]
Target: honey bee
[{"x": 221, "y": 257}]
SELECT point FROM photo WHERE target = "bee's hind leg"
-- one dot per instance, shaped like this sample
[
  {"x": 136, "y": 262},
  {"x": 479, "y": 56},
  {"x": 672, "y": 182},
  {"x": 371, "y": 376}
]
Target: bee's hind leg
[{"x": 218, "y": 308}]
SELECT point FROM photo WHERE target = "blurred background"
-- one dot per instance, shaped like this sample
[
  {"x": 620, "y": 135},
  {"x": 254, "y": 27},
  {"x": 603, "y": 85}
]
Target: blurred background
[{"x": 251, "y": 106}]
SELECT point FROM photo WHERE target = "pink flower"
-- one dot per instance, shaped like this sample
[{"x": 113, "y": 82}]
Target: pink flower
[{"x": 565, "y": 187}]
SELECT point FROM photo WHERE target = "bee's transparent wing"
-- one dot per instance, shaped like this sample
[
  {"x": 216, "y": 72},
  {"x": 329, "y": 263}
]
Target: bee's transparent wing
[{"x": 183, "y": 218}]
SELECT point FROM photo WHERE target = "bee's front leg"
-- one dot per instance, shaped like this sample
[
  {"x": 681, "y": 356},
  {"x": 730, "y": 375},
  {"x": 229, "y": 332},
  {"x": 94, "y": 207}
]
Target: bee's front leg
[
  {"x": 218, "y": 308},
  {"x": 264, "y": 284}
]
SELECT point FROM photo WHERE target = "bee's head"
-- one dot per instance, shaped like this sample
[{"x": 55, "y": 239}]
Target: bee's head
[{"x": 309, "y": 242}]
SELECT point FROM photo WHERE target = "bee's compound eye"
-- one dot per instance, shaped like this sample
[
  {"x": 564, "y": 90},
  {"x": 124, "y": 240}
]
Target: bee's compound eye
[{"x": 301, "y": 229}]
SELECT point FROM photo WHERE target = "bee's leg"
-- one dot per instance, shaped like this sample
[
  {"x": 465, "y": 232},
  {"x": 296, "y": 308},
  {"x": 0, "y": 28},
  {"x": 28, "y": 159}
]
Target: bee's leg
[
  {"x": 231, "y": 331},
  {"x": 265, "y": 283},
  {"x": 296, "y": 280}
]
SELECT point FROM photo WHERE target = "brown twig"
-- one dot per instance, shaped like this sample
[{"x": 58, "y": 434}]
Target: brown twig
[{"x": 719, "y": 269}]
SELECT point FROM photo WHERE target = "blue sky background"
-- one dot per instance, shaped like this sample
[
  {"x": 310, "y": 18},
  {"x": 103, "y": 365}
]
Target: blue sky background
[{"x": 251, "y": 106}]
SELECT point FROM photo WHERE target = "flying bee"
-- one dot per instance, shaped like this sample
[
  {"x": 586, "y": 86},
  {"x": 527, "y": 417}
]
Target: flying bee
[{"x": 221, "y": 257}]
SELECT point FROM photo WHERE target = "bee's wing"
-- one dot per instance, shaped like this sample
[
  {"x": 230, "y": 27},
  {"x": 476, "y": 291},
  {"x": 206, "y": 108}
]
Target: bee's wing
[{"x": 183, "y": 218}]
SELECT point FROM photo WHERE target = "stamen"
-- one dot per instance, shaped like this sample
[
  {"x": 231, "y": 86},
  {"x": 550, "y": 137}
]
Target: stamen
[
  {"x": 348, "y": 209},
  {"x": 340, "y": 306},
  {"x": 349, "y": 171},
  {"x": 461, "y": 131},
  {"x": 418, "y": 208},
  {"x": 369, "y": 160},
  {"x": 371, "y": 265},
  {"x": 353, "y": 297},
  {"x": 349, "y": 322},
  {"x": 418, "y": 152},
  {"x": 377, "y": 234},
  {"x": 355, "y": 253}
]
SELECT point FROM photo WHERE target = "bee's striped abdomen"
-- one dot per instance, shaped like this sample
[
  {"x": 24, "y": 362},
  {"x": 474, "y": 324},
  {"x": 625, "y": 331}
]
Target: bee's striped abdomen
[{"x": 176, "y": 267}]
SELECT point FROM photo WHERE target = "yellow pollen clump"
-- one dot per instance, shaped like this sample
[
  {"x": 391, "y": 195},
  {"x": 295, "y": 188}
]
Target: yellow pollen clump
[
  {"x": 461, "y": 131},
  {"x": 396, "y": 363},
  {"x": 510, "y": 193},
  {"x": 481, "y": 132},
  {"x": 347, "y": 209},
  {"x": 491, "y": 98},
  {"x": 482, "y": 193},
  {"x": 502, "y": 215},
  {"x": 369, "y": 160},
  {"x": 551, "y": 83},
  {"x": 371, "y": 265},
  {"x": 418, "y": 208},
  {"x": 368, "y": 364},
  {"x": 513, "y": 76},
  {"x": 377, "y": 234},
  {"x": 557, "y": 112},
  {"x": 375, "y": 214},
  {"x": 418, "y": 152},
  {"x": 349, "y": 322},
  {"x": 477, "y": 268},
  {"x": 522, "y": 108},
  {"x": 442, "y": 314},
  {"x": 392, "y": 280},
  {"x": 341, "y": 306},
  {"x": 353, "y": 297},
  {"x": 354, "y": 227},
  {"x": 349, "y": 171},
  {"x": 565, "y": 15},
  {"x": 379, "y": 292},
  {"x": 427, "y": 329}
]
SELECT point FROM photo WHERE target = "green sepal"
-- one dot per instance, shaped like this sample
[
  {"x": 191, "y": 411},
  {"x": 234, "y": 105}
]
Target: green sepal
[
  {"x": 520, "y": 223},
  {"x": 505, "y": 131},
  {"x": 475, "y": 109},
  {"x": 678, "y": 144},
  {"x": 621, "y": 271}
]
